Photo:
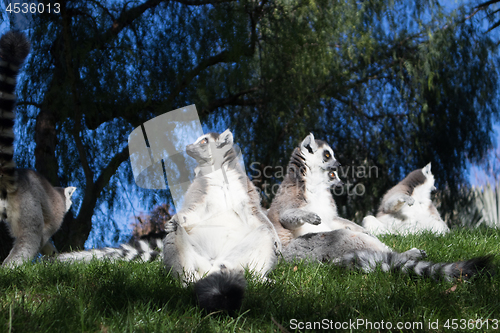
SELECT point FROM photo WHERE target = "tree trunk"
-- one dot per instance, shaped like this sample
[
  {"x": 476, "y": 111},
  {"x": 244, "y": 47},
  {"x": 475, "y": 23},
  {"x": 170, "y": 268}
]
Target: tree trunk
[{"x": 46, "y": 141}]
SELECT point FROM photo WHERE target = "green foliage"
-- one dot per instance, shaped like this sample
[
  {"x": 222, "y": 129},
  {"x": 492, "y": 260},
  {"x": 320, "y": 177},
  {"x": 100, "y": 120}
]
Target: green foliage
[
  {"x": 472, "y": 207},
  {"x": 488, "y": 204},
  {"x": 142, "y": 297},
  {"x": 459, "y": 209}
]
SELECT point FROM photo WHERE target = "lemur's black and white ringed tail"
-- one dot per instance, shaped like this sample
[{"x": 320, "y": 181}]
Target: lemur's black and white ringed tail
[
  {"x": 367, "y": 261},
  {"x": 142, "y": 250},
  {"x": 14, "y": 48},
  {"x": 364, "y": 252}
]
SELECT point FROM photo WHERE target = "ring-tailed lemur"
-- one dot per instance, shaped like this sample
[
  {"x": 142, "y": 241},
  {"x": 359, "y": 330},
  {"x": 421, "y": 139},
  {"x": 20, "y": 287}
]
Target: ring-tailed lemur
[
  {"x": 218, "y": 233},
  {"x": 32, "y": 208},
  {"x": 304, "y": 203},
  {"x": 220, "y": 230},
  {"x": 346, "y": 246},
  {"x": 407, "y": 207}
]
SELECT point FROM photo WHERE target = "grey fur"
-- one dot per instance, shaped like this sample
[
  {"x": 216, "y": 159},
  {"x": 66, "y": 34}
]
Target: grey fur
[
  {"x": 403, "y": 190},
  {"x": 330, "y": 246},
  {"x": 361, "y": 251},
  {"x": 393, "y": 261},
  {"x": 33, "y": 213},
  {"x": 220, "y": 230},
  {"x": 290, "y": 209},
  {"x": 32, "y": 208}
]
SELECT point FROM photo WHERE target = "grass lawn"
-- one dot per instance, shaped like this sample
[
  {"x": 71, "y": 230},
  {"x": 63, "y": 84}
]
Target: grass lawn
[{"x": 142, "y": 297}]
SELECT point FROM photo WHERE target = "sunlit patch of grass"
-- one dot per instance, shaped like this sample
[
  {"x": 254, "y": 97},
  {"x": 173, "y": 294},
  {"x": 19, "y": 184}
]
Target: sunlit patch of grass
[{"x": 142, "y": 297}]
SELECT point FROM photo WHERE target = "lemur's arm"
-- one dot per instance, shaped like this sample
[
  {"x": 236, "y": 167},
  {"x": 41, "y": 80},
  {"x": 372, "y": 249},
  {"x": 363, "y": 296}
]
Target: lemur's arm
[
  {"x": 396, "y": 202},
  {"x": 294, "y": 218}
]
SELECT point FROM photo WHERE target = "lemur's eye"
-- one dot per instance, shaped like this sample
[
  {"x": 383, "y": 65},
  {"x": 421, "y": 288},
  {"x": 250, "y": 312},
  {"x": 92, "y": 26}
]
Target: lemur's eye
[
  {"x": 327, "y": 155},
  {"x": 203, "y": 141},
  {"x": 332, "y": 175}
]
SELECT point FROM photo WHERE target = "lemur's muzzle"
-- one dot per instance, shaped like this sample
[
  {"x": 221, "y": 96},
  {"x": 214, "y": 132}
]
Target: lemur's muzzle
[{"x": 333, "y": 165}]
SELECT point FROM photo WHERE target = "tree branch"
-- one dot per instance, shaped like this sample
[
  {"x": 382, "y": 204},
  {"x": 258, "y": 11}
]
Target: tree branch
[
  {"x": 128, "y": 16},
  {"x": 38, "y": 105},
  {"x": 125, "y": 19},
  {"x": 493, "y": 26},
  {"x": 223, "y": 57},
  {"x": 486, "y": 4},
  {"x": 110, "y": 170},
  {"x": 231, "y": 100},
  {"x": 105, "y": 9}
]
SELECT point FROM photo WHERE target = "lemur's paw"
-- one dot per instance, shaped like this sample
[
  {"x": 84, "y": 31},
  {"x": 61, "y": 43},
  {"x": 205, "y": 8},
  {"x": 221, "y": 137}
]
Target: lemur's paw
[
  {"x": 311, "y": 218},
  {"x": 171, "y": 226},
  {"x": 416, "y": 254}
]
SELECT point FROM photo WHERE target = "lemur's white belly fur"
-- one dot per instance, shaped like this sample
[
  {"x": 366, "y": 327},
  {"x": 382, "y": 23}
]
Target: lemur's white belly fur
[
  {"x": 225, "y": 228},
  {"x": 411, "y": 219},
  {"x": 319, "y": 201}
]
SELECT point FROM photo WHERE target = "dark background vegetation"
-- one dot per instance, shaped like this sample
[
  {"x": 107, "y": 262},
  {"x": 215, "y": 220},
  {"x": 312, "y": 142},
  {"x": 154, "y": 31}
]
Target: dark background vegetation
[{"x": 388, "y": 85}]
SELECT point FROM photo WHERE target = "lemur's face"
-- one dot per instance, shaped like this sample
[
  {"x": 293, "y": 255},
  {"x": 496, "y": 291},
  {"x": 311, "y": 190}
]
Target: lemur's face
[
  {"x": 210, "y": 147},
  {"x": 200, "y": 149},
  {"x": 318, "y": 154},
  {"x": 68, "y": 192},
  {"x": 333, "y": 179}
]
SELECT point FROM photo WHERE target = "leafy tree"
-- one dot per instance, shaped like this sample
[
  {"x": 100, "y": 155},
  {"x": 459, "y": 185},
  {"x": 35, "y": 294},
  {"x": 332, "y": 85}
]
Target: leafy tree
[{"x": 390, "y": 87}]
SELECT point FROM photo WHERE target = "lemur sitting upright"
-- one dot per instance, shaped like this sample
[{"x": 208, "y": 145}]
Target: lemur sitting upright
[
  {"x": 407, "y": 208},
  {"x": 304, "y": 199}
]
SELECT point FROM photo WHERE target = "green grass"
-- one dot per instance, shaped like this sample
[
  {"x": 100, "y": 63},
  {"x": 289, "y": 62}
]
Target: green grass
[{"x": 142, "y": 297}]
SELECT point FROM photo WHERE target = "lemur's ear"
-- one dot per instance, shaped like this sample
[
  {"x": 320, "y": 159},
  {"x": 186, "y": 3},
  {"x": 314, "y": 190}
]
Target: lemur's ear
[
  {"x": 427, "y": 169},
  {"x": 309, "y": 144},
  {"x": 68, "y": 191},
  {"x": 224, "y": 138}
]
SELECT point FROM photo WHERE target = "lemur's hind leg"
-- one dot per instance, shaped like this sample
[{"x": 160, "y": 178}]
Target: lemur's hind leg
[{"x": 182, "y": 255}]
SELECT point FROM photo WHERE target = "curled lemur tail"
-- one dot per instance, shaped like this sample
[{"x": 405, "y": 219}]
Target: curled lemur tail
[
  {"x": 393, "y": 261},
  {"x": 142, "y": 250},
  {"x": 221, "y": 291},
  {"x": 14, "y": 48}
]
